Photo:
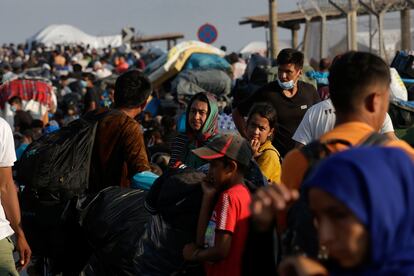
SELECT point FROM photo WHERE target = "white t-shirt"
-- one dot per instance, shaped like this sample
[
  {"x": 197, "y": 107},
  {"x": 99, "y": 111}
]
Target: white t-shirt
[
  {"x": 7, "y": 159},
  {"x": 320, "y": 118}
]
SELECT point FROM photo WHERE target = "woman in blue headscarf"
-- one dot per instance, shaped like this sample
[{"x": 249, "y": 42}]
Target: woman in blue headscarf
[{"x": 363, "y": 201}]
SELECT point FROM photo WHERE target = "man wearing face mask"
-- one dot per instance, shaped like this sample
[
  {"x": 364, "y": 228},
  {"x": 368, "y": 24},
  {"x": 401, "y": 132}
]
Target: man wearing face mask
[{"x": 289, "y": 96}]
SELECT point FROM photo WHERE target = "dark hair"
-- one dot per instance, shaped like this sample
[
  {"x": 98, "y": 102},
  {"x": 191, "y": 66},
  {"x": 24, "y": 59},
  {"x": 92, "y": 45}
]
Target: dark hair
[
  {"x": 77, "y": 67},
  {"x": 132, "y": 89},
  {"x": 202, "y": 97},
  {"x": 36, "y": 123},
  {"x": 199, "y": 97},
  {"x": 265, "y": 110},
  {"x": 88, "y": 76},
  {"x": 324, "y": 64},
  {"x": 350, "y": 75},
  {"x": 15, "y": 99},
  {"x": 289, "y": 55},
  {"x": 232, "y": 58}
]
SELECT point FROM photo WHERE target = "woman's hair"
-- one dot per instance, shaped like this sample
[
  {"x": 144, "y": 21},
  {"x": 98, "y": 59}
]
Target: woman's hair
[
  {"x": 202, "y": 97},
  {"x": 265, "y": 110}
]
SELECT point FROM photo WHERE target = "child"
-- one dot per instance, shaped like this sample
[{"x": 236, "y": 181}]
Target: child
[
  {"x": 260, "y": 130},
  {"x": 223, "y": 222}
]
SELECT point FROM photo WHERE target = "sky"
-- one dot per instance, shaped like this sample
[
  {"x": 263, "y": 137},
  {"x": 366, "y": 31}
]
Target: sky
[{"x": 20, "y": 19}]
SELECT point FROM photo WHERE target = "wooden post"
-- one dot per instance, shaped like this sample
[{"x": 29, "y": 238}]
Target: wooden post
[
  {"x": 273, "y": 28},
  {"x": 405, "y": 29},
  {"x": 168, "y": 44},
  {"x": 295, "y": 35},
  {"x": 323, "y": 51},
  {"x": 380, "y": 19},
  {"x": 353, "y": 45},
  {"x": 306, "y": 38}
]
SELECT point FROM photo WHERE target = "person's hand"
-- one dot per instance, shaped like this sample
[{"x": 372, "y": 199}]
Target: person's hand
[
  {"x": 301, "y": 266},
  {"x": 24, "y": 251},
  {"x": 255, "y": 145},
  {"x": 189, "y": 251},
  {"x": 268, "y": 201}
]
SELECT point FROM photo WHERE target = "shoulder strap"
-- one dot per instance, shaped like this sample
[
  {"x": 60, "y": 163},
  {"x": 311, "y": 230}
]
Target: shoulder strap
[
  {"x": 317, "y": 150},
  {"x": 375, "y": 139}
]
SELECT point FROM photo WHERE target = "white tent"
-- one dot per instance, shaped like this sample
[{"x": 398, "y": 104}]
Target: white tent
[
  {"x": 67, "y": 34},
  {"x": 261, "y": 47}
]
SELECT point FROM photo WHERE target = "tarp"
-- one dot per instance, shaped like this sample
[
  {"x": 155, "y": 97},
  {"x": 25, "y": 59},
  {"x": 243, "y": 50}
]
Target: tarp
[
  {"x": 67, "y": 34},
  {"x": 190, "y": 82},
  {"x": 172, "y": 63}
]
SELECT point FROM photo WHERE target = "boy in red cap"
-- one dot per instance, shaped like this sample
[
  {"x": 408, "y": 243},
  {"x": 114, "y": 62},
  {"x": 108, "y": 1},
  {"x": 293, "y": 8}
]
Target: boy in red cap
[{"x": 223, "y": 222}]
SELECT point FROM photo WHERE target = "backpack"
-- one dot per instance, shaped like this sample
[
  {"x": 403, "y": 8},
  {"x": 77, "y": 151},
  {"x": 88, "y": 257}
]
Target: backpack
[
  {"x": 301, "y": 236},
  {"x": 56, "y": 166}
]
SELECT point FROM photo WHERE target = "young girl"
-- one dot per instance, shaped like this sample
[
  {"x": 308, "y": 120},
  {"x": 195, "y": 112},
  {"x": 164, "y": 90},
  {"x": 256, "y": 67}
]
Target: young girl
[
  {"x": 260, "y": 130},
  {"x": 363, "y": 207}
]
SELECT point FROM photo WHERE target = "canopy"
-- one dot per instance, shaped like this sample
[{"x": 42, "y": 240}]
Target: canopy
[{"x": 67, "y": 34}]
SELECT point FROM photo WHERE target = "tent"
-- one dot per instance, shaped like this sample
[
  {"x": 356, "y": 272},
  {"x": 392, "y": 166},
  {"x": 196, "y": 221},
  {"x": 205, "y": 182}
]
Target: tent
[
  {"x": 67, "y": 34},
  {"x": 261, "y": 47}
]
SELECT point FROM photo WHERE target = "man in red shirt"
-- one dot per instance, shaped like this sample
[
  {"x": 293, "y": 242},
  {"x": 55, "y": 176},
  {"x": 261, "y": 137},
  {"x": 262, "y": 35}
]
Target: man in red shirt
[{"x": 223, "y": 222}]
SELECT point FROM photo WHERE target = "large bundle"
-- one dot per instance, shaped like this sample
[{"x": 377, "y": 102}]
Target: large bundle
[
  {"x": 36, "y": 94},
  {"x": 174, "y": 200},
  {"x": 167, "y": 66},
  {"x": 113, "y": 223},
  {"x": 190, "y": 82}
]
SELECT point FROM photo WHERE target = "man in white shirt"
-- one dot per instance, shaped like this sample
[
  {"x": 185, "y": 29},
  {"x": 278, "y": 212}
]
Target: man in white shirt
[
  {"x": 9, "y": 208},
  {"x": 320, "y": 118}
]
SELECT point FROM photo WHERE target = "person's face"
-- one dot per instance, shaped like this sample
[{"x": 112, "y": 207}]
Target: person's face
[
  {"x": 258, "y": 128},
  {"x": 288, "y": 72},
  {"x": 344, "y": 237},
  {"x": 218, "y": 173},
  {"x": 198, "y": 115}
]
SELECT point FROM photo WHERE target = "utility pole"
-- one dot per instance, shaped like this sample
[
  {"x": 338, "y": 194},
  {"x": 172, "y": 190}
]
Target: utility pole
[
  {"x": 273, "y": 28},
  {"x": 352, "y": 19},
  {"x": 405, "y": 15}
]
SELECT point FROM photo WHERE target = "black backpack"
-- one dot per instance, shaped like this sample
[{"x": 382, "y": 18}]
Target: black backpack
[
  {"x": 300, "y": 237},
  {"x": 56, "y": 166}
]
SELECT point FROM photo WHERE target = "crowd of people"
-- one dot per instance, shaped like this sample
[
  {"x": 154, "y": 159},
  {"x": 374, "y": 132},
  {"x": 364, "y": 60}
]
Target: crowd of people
[{"x": 337, "y": 194}]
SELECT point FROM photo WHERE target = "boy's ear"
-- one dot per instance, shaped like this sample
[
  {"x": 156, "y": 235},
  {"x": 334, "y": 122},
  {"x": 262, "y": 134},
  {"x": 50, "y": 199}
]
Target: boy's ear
[{"x": 232, "y": 166}]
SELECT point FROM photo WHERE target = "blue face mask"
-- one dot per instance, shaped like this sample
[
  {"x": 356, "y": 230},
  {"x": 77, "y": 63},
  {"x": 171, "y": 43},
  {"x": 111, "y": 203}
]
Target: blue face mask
[
  {"x": 83, "y": 84},
  {"x": 13, "y": 108},
  {"x": 286, "y": 85}
]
